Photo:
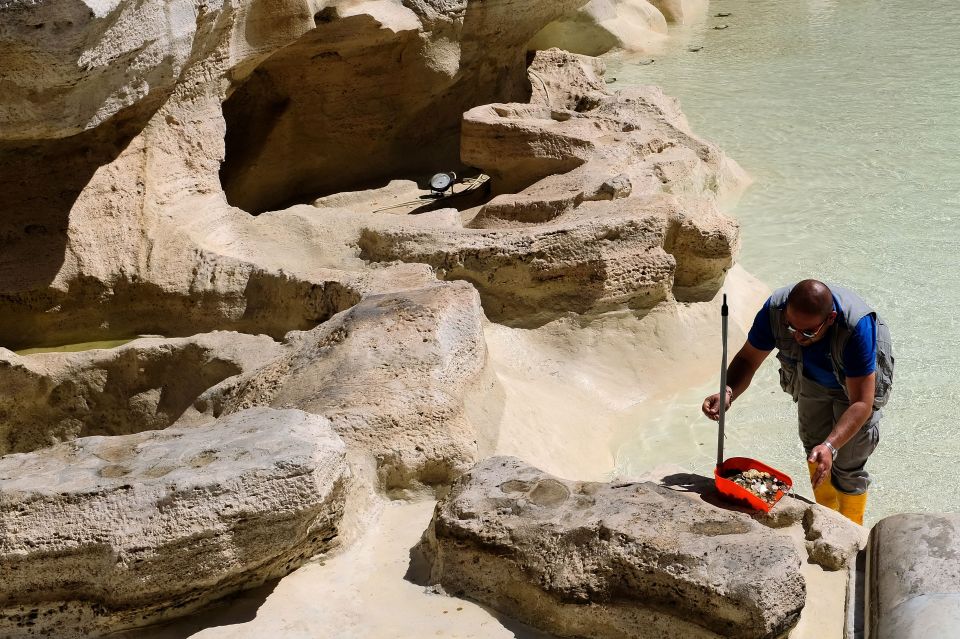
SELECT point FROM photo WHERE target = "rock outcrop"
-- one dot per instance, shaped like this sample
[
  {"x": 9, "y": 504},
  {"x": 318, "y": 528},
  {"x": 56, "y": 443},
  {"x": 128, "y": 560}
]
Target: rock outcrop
[
  {"x": 142, "y": 148},
  {"x": 169, "y": 121},
  {"x": 611, "y": 560},
  {"x": 146, "y": 384},
  {"x": 391, "y": 375},
  {"x": 659, "y": 559},
  {"x": 610, "y": 202},
  {"x": 111, "y": 532},
  {"x": 139, "y": 238},
  {"x": 682, "y": 11},
  {"x": 374, "y": 91},
  {"x": 602, "y": 25},
  {"x": 634, "y": 25}
]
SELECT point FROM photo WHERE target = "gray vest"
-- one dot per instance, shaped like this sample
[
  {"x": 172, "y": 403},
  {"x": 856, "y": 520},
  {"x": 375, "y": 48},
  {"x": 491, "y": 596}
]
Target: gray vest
[{"x": 855, "y": 309}]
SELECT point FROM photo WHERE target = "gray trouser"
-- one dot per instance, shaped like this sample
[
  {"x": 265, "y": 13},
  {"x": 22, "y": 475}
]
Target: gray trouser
[{"x": 819, "y": 408}]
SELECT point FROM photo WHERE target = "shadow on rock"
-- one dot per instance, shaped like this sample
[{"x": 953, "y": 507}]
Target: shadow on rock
[{"x": 230, "y": 611}]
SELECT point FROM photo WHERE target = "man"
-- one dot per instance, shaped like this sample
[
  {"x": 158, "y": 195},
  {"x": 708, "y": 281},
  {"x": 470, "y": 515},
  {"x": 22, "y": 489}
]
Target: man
[{"x": 836, "y": 361}]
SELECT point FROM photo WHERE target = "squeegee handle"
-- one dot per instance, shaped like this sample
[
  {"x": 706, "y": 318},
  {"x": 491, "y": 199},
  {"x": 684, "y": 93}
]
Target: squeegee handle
[{"x": 724, "y": 312}]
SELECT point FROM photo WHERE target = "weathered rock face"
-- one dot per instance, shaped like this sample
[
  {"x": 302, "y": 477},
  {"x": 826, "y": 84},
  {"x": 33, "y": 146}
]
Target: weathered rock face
[
  {"x": 527, "y": 277},
  {"x": 374, "y": 91},
  {"x": 611, "y": 560},
  {"x": 156, "y": 524},
  {"x": 141, "y": 121},
  {"x": 682, "y": 11},
  {"x": 135, "y": 235},
  {"x": 144, "y": 385},
  {"x": 602, "y": 25},
  {"x": 390, "y": 374},
  {"x": 519, "y": 144},
  {"x": 831, "y": 541},
  {"x": 616, "y": 205},
  {"x": 73, "y": 65}
]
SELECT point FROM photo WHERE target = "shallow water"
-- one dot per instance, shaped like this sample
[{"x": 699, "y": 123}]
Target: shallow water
[
  {"x": 76, "y": 348},
  {"x": 847, "y": 114}
]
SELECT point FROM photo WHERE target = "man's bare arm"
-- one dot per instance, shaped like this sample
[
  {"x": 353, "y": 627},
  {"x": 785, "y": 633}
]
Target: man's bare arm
[
  {"x": 740, "y": 373},
  {"x": 860, "y": 390}
]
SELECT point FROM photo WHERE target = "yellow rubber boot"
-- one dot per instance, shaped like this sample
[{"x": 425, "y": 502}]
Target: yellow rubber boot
[
  {"x": 825, "y": 493},
  {"x": 853, "y": 506}
]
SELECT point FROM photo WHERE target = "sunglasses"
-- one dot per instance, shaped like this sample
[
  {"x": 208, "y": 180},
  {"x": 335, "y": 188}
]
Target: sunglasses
[{"x": 807, "y": 334}]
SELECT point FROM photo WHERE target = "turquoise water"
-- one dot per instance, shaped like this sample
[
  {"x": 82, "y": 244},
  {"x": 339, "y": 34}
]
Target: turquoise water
[{"x": 847, "y": 114}]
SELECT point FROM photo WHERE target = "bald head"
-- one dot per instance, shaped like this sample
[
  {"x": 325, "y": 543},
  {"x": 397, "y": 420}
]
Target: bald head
[{"x": 811, "y": 297}]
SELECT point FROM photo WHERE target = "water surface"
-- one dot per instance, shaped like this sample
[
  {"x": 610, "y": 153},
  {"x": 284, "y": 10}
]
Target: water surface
[
  {"x": 847, "y": 114},
  {"x": 76, "y": 348}
]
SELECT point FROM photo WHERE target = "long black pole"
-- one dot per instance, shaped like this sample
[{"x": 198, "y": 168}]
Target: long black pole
[{"x": 723, "y": 379}]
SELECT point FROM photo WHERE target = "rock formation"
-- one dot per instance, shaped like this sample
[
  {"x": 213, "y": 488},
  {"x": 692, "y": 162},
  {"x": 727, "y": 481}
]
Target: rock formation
[
  {"x": 147, "y": 152},
  {"x": 682, "y": 11},
  {"x": 611, "y": 205},
  {"x": 112, "y": 532},
  {"x": 390, "y": 374},
  {"x": 634, "y": 25},
  {"x": 147, "y": 384},
  {"x": 616, "y": 560},
  {"x": 602, "y": 25},
  {"x": 137, "y": 236}
]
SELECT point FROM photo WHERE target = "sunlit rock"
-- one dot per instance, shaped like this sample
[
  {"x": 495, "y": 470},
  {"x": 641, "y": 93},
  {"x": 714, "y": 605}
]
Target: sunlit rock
[
  {"x": 611, "y": 560},
  {"x": 390, "y": 374},
  {"x": 147, "y": 384},
  {"x": 105, "y": 533},
  {"x": 602, "y": 25}
]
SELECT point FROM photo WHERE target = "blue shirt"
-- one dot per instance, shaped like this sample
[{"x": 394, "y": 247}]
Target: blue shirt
[{"x": 859, "y": 355}]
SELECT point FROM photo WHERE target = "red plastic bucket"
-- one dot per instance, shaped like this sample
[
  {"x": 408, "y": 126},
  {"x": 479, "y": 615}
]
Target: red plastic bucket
[{"x": 735, "y": 492}]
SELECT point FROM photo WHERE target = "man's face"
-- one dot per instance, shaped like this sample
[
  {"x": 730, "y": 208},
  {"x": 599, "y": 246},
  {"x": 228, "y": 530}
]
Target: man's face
[{"x": 808, "y": 329}]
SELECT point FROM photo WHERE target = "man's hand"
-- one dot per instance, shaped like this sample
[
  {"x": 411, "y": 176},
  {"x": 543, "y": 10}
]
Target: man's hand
[
  {"x": 711, "y": 405},
  {"x": 823, "y": 458},
  {"x": 745, "y": 363}
]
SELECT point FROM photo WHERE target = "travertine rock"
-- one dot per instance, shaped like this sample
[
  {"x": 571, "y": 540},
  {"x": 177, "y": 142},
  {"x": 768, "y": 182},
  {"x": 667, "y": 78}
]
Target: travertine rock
[
  {"x": 682, "y": 11},
  {"x": 600, "y": 257},
  {"x": 146, "y": 384},
  {"x": 390, "y": 374},
  {"x": 602, "y": 25},
  {"x": 832, "y": 540},
  {"x": 601, "y": 229},
  {"x": 104, "y": 533},
  {"x": 611, "y": 560},
  {"x": 115, "y": 216},
  {"x": 375, "y": 91},
  {"x": 561, "y": 80},
  {"x": 520, "y": 144},
  {"x": 71, "y": 65}
]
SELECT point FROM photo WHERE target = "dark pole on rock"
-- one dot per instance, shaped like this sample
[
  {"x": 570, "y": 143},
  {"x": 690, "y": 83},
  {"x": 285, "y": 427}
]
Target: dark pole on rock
[{"x": 724, "y": 312}]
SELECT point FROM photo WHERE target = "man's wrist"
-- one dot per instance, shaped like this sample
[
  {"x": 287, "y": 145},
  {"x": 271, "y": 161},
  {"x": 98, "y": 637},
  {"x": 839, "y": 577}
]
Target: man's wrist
[{"x": 833, "y": 451}]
